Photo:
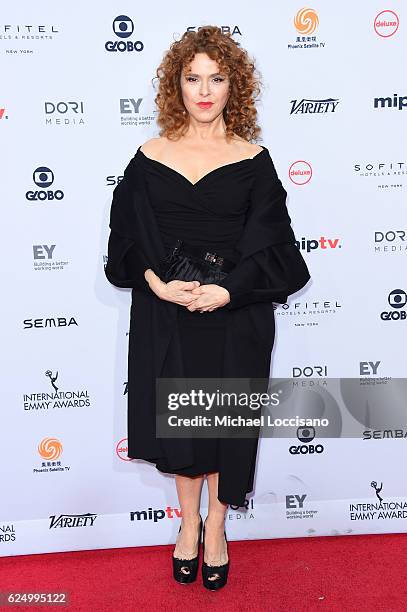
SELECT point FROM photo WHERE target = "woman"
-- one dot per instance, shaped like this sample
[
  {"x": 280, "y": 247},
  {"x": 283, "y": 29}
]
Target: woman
[{"x": 204, "y": 193}]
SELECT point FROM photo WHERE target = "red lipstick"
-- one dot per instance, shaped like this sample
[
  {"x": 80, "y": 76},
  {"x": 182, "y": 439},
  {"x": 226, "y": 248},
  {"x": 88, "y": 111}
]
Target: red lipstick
[{"x": 205, "y": 104}]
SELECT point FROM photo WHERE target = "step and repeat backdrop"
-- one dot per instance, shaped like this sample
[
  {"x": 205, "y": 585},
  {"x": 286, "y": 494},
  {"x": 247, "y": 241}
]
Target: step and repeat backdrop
[{"x": 77, "y": 99}]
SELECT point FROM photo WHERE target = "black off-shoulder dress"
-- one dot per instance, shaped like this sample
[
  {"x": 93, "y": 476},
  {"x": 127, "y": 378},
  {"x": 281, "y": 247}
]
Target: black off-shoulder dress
[{"x": 238, "y": 211}]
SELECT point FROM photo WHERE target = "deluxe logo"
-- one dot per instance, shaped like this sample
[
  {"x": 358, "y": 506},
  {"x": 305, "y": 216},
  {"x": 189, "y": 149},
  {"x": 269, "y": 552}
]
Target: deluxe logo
[
  {"x": 43, "y": 177},
  {"x": 312, "y": 107},
  {"x": 386, "y": 23},
  {"x": 396, "y": 101},
  {"x": 310, "y": 371},
  {"x": 122, "y": 449},
  {"x": 300, "y": 172},
  {"x": 397, "y": 300},
  {"x": 306, "y": 22},
  {"x": 306, "y": 435},
  {"x": 123, "y": 27},
  {"x": 64, "y": 113},
  {"x": 3, "y": 114},
  {"x": 308, "y": 244},
  {"x": 49, "y": 322},
  {"x": 72, "y": 520}
]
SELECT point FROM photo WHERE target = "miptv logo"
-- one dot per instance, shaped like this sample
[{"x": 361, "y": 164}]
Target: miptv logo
[{"x": 386, "y": 23}]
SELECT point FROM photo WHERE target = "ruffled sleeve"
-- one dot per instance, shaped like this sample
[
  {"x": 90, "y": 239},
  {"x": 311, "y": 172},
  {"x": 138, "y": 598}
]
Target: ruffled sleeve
[{"x": 271, "y": 266}]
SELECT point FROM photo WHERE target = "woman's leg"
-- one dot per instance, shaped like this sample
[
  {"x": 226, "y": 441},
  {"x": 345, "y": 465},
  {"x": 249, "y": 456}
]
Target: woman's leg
[
  {"x": 189, "y": 490},
  {"x": 215, "y": 544}
]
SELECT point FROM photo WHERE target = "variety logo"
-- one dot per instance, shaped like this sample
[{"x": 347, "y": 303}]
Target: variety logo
[
  {"x": 379, "y": 509},
  {"x": 312, "y": 107},
  {"x": 64, "y": 113},
  {"x": 72, "y": 520},
  {"x": 123, "y": 28},
  {"x": 300, "y": 172},
  {"x": 43, "y": 177},
  {"x": 306, "y": 21},
  {"x": 305, "y": 435},
  {"x": 130, "y": 113},
  {"x": 49, "y": 322},
  {"x": 386, "y": 23},
  {"x": 396, "y": 101},
  {"x": 308, "y": 244},
  {"x": 43, "y": 255},
  {"x": 56, "y": 399},
  {"x": 390, "y": 241},
  {"x": 397, "y": 300}
]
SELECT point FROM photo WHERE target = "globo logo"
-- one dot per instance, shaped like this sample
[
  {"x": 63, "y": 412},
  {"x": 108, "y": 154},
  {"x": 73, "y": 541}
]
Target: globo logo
[
  {"x": 43, "y": 177},
  {"x": 397, "y": 300},
  {"x": 123, "y": 27}
]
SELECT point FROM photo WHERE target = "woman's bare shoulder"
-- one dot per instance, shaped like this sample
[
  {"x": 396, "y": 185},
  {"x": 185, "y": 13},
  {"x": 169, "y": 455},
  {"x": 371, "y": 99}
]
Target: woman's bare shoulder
[
  {"x": 245, "y": 147},
  {"x": 153, "y": 146}
]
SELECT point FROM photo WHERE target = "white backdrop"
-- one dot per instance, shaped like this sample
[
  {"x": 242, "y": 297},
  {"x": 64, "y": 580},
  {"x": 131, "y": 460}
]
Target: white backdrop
[{"x": 75, "y": 103}]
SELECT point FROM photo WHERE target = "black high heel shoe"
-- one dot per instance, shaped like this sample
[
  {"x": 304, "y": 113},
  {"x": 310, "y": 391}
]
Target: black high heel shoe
[
  {"x": 186, "y": 570},
  {"x": 214, "y": 576}
]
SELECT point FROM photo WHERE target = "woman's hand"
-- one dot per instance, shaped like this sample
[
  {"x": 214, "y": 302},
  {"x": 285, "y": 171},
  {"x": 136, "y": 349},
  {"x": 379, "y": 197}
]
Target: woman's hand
[
  {"x": 209, "y": 297},
  {"x": 177, "y": 291}
]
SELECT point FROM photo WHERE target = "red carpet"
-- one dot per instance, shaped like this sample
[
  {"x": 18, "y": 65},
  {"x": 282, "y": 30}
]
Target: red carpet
[{"x": 335, "y": 573}]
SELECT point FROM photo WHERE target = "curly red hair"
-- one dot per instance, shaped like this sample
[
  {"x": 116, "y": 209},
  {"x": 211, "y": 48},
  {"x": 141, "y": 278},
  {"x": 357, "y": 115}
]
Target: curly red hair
[{"x": 240, "y": 114}]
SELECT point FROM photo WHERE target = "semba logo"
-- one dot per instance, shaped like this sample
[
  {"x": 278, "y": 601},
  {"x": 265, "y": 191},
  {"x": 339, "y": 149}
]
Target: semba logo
[
  {"x": 306, "y": 434},
  {"x": 123, "y": 27},
  {"x": 43, "y": 177}
]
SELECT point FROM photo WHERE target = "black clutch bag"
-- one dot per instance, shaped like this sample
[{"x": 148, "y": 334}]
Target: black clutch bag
[{"x": 187, "y": 263}]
